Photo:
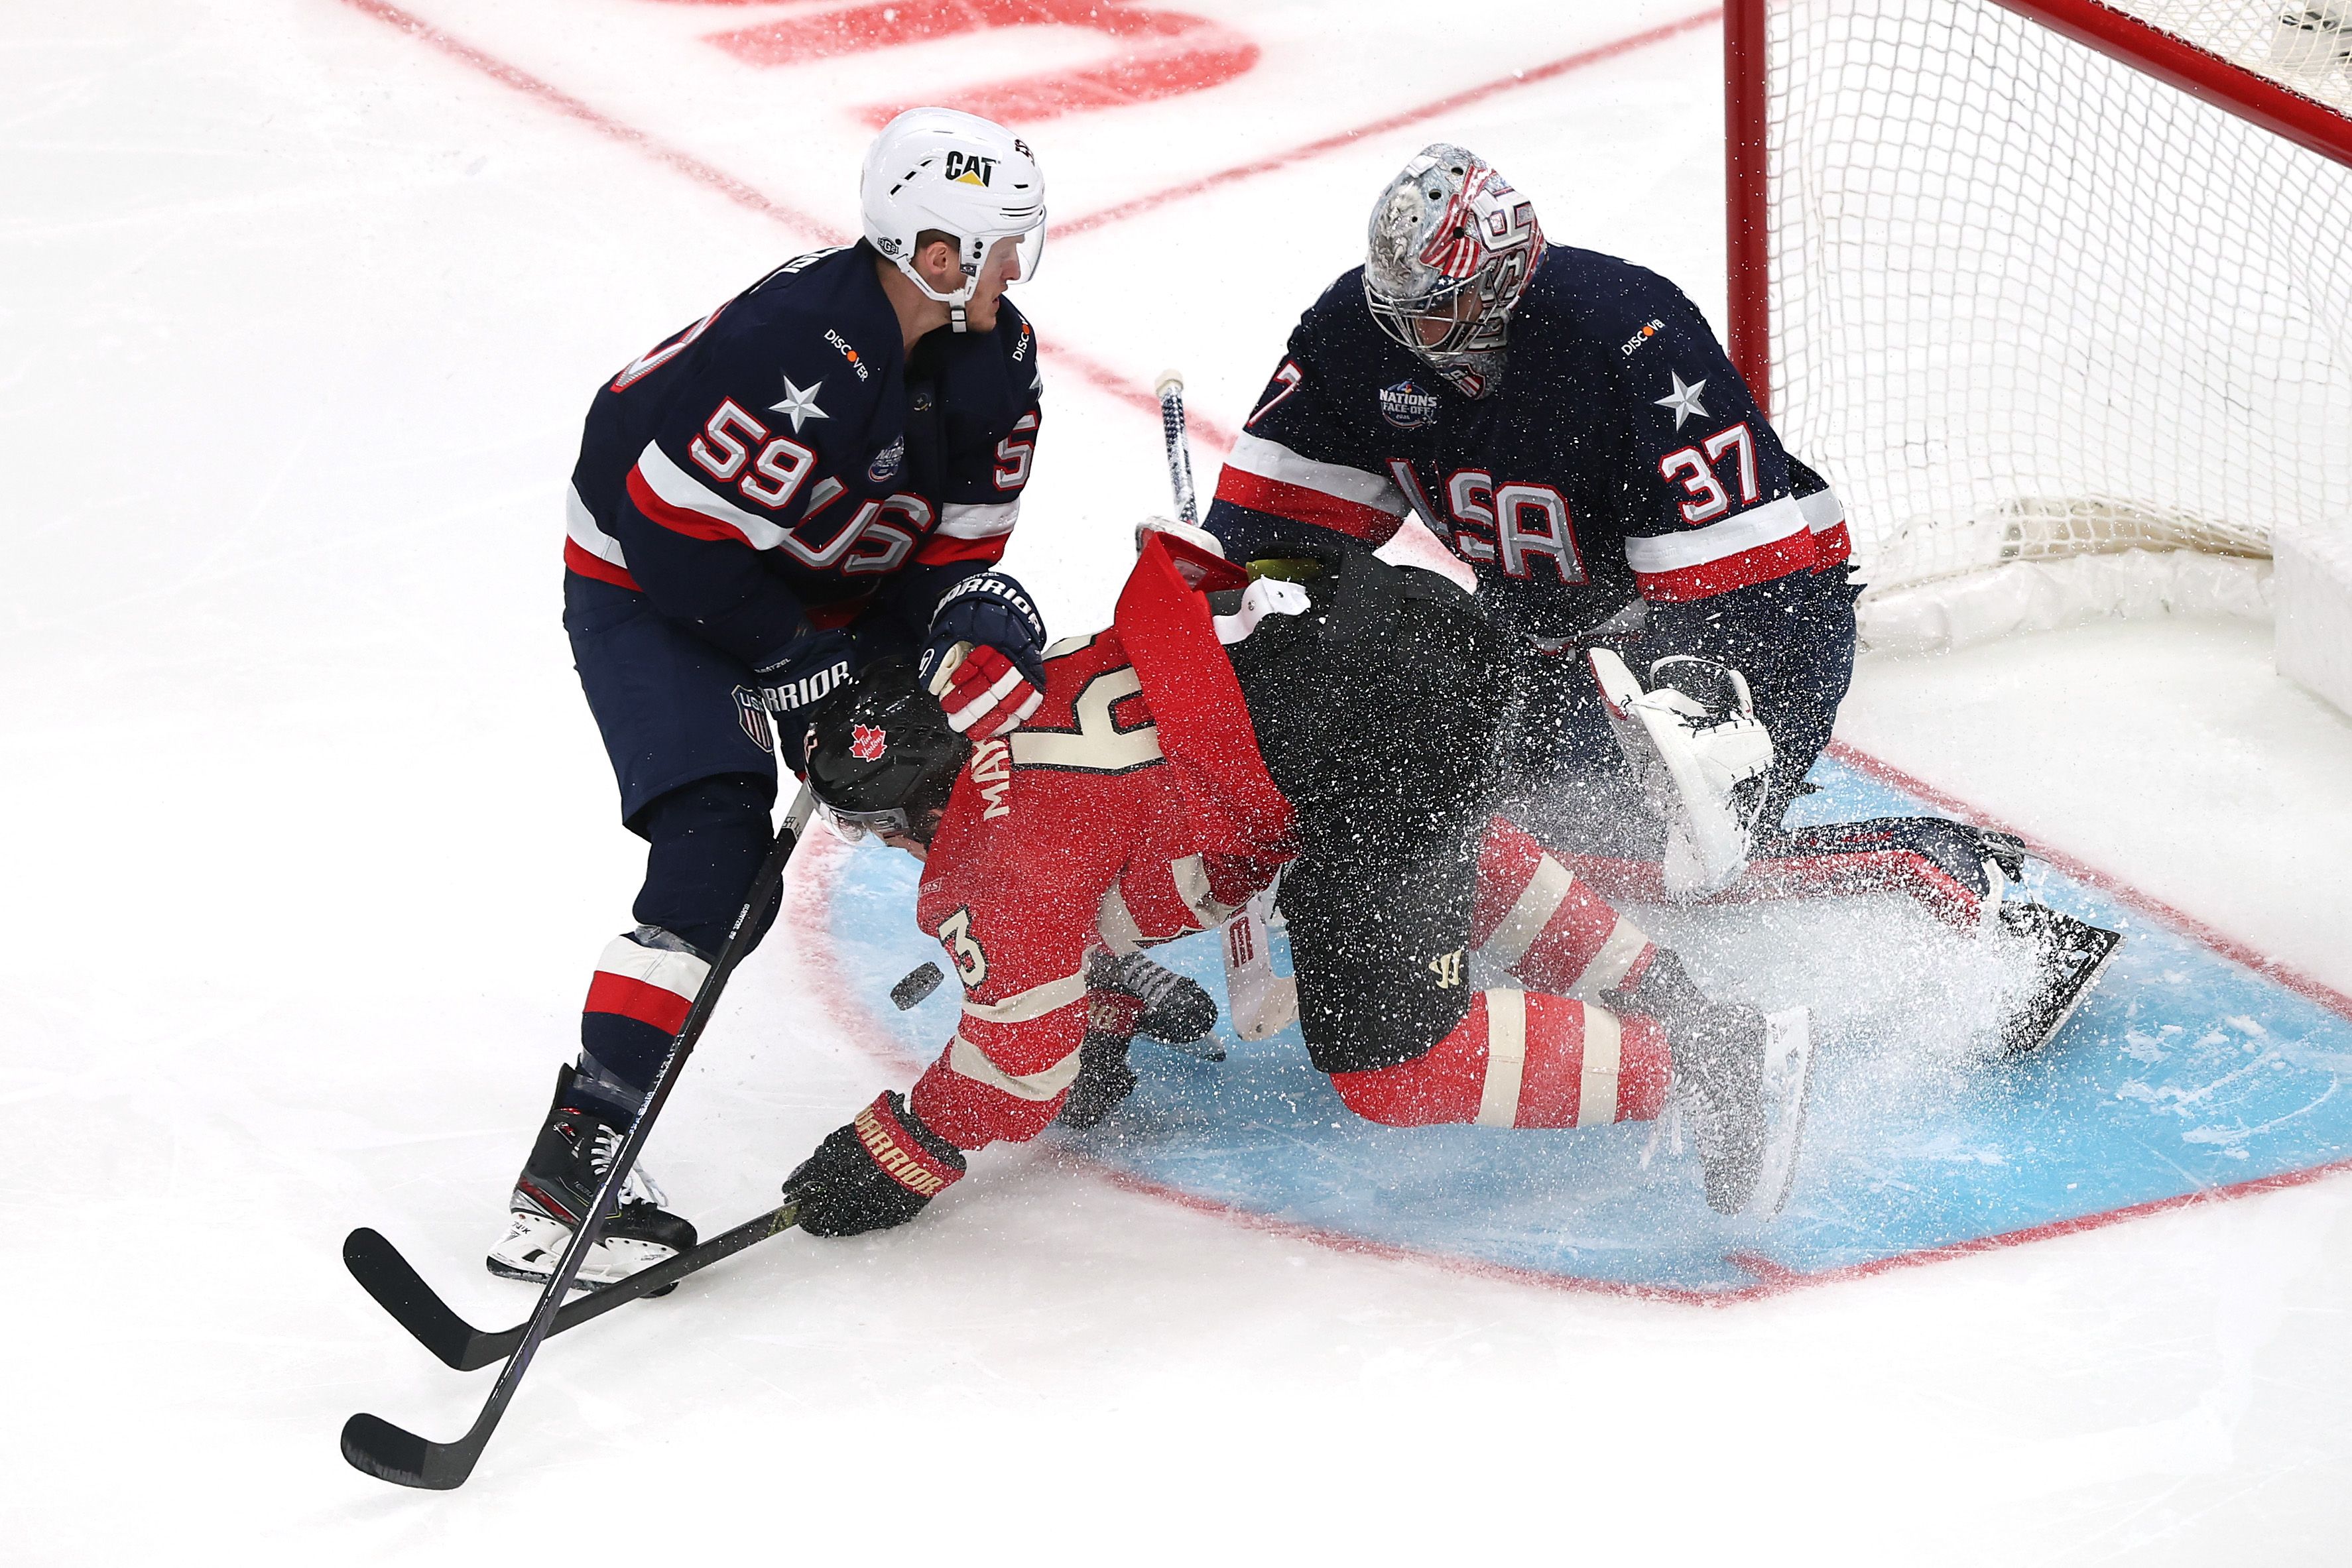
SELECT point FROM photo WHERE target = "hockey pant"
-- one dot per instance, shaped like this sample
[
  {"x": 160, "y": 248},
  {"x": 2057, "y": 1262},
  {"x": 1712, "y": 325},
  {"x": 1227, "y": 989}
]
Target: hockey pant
[{"x": 692, "y": 753}]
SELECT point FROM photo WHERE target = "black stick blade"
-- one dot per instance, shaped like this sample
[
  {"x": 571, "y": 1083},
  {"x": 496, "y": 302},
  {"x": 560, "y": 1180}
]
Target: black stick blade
[
  {"x": 399, "y": 1289},
  {"x": 379, "y": 1448}
]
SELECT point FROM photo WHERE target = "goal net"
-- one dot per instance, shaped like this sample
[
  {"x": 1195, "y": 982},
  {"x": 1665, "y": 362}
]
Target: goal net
[{"x": 2021, "y": 298}]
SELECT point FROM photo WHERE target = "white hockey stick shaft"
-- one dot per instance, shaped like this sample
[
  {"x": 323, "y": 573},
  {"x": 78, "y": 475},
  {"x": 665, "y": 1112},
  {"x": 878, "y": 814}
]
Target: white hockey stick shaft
[{"x": 1179, "y": 453}]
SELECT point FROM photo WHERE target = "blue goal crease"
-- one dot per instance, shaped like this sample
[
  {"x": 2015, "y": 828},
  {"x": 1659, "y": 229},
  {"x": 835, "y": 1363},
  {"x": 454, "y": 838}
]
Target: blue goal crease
[{"x": 2185, "y": 1072}]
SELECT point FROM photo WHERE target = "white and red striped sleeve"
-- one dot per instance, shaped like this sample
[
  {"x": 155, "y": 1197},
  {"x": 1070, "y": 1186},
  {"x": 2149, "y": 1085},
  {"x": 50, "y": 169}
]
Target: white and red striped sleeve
[
  {"x": 1266, "y": 476},
  {"x": 971, "y": 531},
  {"x": 1825, "y": 519},
  {"x": 1758, "y": 545},
  {"x": 679, "y": 501}
]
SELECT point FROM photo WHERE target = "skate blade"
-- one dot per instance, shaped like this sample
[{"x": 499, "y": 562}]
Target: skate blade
[
  {"x": 2073, "y": 954},
  {"x": 533, "y": 1243},
  {"x": 1787, "y": 1091}
]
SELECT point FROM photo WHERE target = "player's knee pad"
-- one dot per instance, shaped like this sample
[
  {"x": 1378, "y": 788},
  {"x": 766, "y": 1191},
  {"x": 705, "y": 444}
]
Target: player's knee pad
[
  {"x": 1522, "y": 1059},
  {"x": 707, "y": 841}
]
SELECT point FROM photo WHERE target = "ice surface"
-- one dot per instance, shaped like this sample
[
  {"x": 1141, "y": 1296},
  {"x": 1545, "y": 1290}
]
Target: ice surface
[{"x": 312, "y": 843}]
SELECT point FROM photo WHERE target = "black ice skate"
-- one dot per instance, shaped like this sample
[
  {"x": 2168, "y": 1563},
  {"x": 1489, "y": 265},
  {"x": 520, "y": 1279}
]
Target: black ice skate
[
  {"x": 1740, "y": 1081},
  {"x": 559, "y": 1181},
  {"x": 1176, "y": 1010},
  {"x": 2069, "y": 955}
]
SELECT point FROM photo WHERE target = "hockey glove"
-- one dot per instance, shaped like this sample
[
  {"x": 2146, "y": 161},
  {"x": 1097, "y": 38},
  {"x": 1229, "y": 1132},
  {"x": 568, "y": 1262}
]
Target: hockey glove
[
  {"x": 877, "y": 1172},
  {"x": 986, "y": 658},
  {"x": 792, "y": 685},
  {"x": 1702, "y": 759}
]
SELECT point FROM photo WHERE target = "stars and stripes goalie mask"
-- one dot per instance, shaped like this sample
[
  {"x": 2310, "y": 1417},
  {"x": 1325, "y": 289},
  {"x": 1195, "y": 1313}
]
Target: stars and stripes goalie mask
[{"x": 1450, "y": 251}]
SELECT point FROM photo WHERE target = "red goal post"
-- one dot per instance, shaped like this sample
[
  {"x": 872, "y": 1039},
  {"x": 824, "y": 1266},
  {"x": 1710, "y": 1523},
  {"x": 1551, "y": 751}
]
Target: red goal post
[{"x": 2037, "y": 279}]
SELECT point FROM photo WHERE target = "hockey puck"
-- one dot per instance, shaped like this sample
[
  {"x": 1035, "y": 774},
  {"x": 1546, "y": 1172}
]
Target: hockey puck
[{"x": 917, "y": 984}]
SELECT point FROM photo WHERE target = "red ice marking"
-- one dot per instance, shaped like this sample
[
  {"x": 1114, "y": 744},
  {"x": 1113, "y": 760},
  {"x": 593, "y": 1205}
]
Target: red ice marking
[
  {"x": 1126, "y": 388},
  {"x": 1161, "y": 54},
  {"x": 2189, "y": 925},
  {"x": 1121, "y": 211},
  {"x": 1117, "y": 384}
]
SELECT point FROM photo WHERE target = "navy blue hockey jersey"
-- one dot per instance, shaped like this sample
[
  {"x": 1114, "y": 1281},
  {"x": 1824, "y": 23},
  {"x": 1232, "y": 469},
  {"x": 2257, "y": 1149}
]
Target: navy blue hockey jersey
[
  {"x": 1621, "y": 455},
  {"x": 764, "y": 471}
]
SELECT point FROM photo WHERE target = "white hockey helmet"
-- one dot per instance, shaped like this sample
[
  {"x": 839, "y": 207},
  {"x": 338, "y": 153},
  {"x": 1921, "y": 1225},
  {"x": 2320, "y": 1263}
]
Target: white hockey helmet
[
  {"x": 967, "y": 177},
  {"x": 1449, "y": 230}
]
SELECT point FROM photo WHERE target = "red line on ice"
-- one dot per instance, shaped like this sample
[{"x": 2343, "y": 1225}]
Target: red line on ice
[
  {"x": 2237, "y": 952},
  {"x": 1104, "y": 378},
  {"x": 1129, "y": 390},
  {"x": 1121, "y": 211}
]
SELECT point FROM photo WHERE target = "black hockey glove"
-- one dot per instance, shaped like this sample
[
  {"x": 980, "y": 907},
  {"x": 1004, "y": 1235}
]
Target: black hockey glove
[
  {"x": 986, "y": 658},
  {"x": 877, "y": 1172}
]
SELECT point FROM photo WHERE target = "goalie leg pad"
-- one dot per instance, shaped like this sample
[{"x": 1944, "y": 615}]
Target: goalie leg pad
[
  {"x": 1522, "y": 1059},
  {"x": 1704, "y": 767}
]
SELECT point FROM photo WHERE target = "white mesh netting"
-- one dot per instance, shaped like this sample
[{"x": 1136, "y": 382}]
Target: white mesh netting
[{"x": 2028, "y": 302}]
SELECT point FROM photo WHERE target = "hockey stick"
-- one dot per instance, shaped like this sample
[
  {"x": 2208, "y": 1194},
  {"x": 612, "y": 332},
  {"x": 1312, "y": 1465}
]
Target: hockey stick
[
  {"x": 395, "y": 1454},
  {"x": 1171, "y": 387},
  {"x": 399, "y": 1289},
  {"x": 1259, "y": 1000},
  {"x": 414, "y": 1305}
]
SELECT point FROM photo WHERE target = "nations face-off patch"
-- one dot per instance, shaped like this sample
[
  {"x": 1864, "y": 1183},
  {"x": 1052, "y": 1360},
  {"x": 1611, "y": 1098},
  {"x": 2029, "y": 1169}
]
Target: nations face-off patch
[
  {"x": 1406, "y": 407},
  {"x": 2189, "y": 1073}
]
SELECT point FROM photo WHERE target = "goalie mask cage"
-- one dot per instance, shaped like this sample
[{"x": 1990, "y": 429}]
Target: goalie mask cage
[{"x": 2046, "y": 277}]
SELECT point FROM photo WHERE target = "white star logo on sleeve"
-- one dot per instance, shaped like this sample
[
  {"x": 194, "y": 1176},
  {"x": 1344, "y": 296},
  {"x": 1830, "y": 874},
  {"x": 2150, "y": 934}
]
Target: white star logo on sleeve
[
  {"x": 801, "y": 406},
  {"x": 1682, "y": 400}
]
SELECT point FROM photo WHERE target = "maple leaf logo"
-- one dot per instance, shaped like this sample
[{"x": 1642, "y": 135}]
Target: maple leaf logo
[{"x": 865, "y": 742}]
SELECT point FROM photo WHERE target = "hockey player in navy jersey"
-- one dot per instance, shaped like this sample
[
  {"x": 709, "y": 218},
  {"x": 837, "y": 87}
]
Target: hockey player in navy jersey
[
  {"x": 822, "y": 472},
  {"x": 1567, "y": 424}
]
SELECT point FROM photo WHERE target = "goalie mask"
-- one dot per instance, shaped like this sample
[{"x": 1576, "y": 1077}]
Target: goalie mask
[
  {"x": 881, "y": 756},
  {"x": 967, "y": 177},
  {"x": 1451, "y": 249}
]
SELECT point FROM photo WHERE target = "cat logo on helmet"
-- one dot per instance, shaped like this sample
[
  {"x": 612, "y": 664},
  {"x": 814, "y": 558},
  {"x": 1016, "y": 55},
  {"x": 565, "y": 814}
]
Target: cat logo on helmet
[
  {"x": 971, "y": 169},
  {"x": 865, "y": 742}
]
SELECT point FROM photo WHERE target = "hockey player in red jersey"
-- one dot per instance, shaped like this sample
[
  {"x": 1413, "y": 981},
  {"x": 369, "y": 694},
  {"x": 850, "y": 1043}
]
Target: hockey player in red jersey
[
  {"x": 823, "y": 471},
  {"x": 1222, "y": 731}
]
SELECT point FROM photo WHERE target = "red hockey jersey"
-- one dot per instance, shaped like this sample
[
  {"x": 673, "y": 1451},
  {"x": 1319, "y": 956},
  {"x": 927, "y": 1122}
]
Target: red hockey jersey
[{"x": 1132, "y": 808}]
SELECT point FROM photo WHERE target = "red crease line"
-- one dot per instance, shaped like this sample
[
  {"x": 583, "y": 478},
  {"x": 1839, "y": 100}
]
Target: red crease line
[{"x": 2237, "y": 952}]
